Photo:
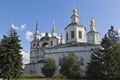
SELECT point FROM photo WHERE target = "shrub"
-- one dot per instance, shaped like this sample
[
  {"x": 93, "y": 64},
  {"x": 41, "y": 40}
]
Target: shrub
[
  {"x": 57, "y": 76},
  {"x": 49, "y": 67}
]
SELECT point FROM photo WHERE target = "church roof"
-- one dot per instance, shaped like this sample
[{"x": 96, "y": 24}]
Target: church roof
[
  {"x": 46, "y": 37},
  {"x": 54, "y": 37},
  {"x": 72, "y": 24},
  {"x": 74, "y": 44},
  {"x": 93, "y": 32},
  {"x": 34, "y": 41}
]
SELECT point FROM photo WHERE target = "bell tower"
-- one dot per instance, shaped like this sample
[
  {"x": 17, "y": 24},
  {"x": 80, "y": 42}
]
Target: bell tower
[
  {"x": 93, "y": 35},
  {"x": 35, "y": 45}
]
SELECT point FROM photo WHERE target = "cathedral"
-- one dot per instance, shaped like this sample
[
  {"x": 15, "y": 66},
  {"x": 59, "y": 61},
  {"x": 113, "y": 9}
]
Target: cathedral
[{"x": 77, "y": 40}]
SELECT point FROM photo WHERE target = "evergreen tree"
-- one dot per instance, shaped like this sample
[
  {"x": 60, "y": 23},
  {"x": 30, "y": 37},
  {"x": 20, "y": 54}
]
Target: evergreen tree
[
  {"x": 95, "y": 68},
  {"x": 10, "y": 57},
  {"x": 49, "y": 67},
  {"x": 70, "y": 66},
  {"x": 113, "y": 35},
  {"x": 111, "y": 47},
  {"x": 108, "y": 58}
]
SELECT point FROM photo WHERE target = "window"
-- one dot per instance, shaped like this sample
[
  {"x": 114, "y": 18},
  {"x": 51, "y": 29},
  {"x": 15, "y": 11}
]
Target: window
[
  {"x": 51, "y": 43},
  {"x": 33, "y": 52},
  {"x": 44, "y": 44},
  {"x": 72, "y": 34},
  {"x": 60, "y": 61},
  {"x": 81, "y": 61},
  {"x": 37, "y": 44},
  {"x": 34, "y": 67},
  {"x": 66, "y": 36},
  {"x": 33, "y": 61},
  {"x": 80, "y": 34},
  {"x": 33, "y": 44}
]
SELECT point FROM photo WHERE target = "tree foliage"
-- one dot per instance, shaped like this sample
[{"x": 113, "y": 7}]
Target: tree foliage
[
  {"x": 94, "y": 69},
  {"x": 49, "y": 67},
  {"x": 105, "y": 62},
  {"x": 10, "y": 57},
  {"x": 70, "y": 66}
]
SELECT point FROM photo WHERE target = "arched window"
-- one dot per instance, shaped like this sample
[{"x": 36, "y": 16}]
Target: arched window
[
  {"x": 37, "y": 44},
  {"x": 34, "y": 45},
  {"x": 72, "y": 34},
  {"x": 80, "y": 34},
  {"x": 51, "y": 43},
  {"x": 44, "y": 44},
  {"x": 60, "y": 61},
  {"x": 81, "y": 61},
  {"x": 66, "y": 36}
]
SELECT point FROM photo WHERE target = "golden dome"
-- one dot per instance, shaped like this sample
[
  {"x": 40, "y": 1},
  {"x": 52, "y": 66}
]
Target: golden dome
[
  {"x": 74, "y": 11},
  {"x": 92, "y": 22}
]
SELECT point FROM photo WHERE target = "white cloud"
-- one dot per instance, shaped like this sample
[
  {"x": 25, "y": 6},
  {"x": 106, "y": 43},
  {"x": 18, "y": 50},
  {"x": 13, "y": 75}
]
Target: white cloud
[
  {"x": 23, "y": 26},
  {"x": 15, "y": 27},
  {"x": 49, "y": 34},
  {"x": 29, "y": 35},
  {"x": 42, "y": 34},
  {"x": 25, "y": 56}
]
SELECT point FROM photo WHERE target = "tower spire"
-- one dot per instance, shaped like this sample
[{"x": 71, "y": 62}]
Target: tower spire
[
  {"x": 74, "y": 17},
  {"x": 36, "y": 35},
  {"x": 92, "y": 25},
  {"x": 37, "y": 30},
  {"x": 53, "y": 30}
]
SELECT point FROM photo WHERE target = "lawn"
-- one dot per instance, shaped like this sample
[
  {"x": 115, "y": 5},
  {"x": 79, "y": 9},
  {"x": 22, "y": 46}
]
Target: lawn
[
  {"x": 40, "y": 79},
  {"x": 33, "y": 79},
  {"x": 36, "y": 77}
]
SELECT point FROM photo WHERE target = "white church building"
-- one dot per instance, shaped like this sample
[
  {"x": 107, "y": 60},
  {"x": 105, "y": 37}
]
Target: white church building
[{"x": 53, "y": 47}]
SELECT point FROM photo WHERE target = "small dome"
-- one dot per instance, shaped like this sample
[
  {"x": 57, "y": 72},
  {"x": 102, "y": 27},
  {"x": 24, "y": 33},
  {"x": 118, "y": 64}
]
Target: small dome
[
  {"x": 74, "y": 11},
  {"x": 92, "y": 22},
  {"x": 46, "y": 37}
]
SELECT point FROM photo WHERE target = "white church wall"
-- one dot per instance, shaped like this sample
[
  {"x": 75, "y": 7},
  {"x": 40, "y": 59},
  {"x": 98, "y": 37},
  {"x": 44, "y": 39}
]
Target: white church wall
[
  {"x": 56, "y": 57},
  {"x": 68, "y": 49},
  {"x": 82, "y": 29},
  {"x": 34, "y": 68},
  {"x": 79, "y": 51},
  {"x": 68, "y": 30},
  {"x": 54, "y": 42}
]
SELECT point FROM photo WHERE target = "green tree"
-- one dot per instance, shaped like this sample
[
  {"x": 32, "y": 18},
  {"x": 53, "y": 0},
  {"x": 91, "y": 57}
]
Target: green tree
[
  {"x": 70, "y": 66},
  {"x": 111, "y": 47},
  {"x": 114, "y": 65},
  {"x": 10, "y": 57},
  {"x": 105, "y": 61},
  {"x": 94, "y": 69},
  {"x": 49, "y": 67}
]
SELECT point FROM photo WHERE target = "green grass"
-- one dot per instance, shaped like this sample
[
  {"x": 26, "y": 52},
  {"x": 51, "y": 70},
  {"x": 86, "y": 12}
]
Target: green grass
[
  {"x": 41, "y": 79},
  {"x": 33, "y": 79},
  {"x": 36, "y": 77}
]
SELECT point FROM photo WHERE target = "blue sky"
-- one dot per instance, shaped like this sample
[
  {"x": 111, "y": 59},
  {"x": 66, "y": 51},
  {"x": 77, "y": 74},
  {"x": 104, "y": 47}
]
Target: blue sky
[{"x": 23, "y": 14}]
